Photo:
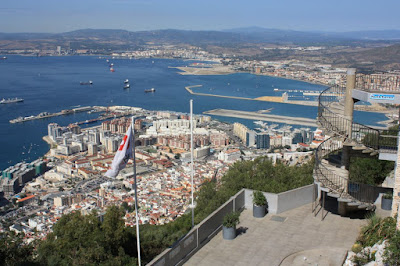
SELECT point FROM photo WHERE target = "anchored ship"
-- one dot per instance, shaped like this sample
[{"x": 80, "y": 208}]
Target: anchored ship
[
  {"x": 86, "y": 82},
  {"x": 11, "y": 100}
]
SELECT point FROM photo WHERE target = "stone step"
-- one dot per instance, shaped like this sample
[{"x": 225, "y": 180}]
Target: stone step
[
  {"x": 368, "y": 150},
  {"x": 360, "y": 147},
  {"x": 350, "y": 143}
]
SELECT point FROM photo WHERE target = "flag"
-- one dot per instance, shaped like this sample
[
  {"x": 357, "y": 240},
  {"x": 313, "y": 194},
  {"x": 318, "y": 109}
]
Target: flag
[{"x": 123, "y": 154}]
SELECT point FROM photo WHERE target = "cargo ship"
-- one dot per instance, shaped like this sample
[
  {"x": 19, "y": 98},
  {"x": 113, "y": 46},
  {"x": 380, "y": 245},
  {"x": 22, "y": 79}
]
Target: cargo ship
[{"x": 11, "y": 100}]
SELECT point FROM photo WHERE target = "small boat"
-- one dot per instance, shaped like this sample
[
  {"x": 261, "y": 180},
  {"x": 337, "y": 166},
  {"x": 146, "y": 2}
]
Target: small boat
[
  {"x": 11, "y": 100},
  {"x": 127, "y": 86},
  {"x": 150, "y": 90},
  {"x": 276, "y": 89},
  {"x": 3, "y": 58},
  {"x": 86, "y": 82},
  {"x": 126, "y": 81},
  {"x": 112, "y": 69}
]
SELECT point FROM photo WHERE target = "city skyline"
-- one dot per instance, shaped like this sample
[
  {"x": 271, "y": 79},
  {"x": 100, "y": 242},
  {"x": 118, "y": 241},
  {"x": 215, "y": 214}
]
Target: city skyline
[{"x": 338, "y": 16}]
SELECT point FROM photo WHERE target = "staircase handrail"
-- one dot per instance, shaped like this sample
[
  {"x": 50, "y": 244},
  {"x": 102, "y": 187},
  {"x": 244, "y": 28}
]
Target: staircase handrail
[
  {"x": 337, "y": 123},
  {"x": 338, "y": 184}
]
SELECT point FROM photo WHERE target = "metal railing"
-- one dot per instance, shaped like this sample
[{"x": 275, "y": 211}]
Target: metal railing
[
  {"x": 378, "y": 83},
  {"x": 340, "y": 184},
  {"x": 327, "y": 177},
  {"x": 329, "y": 117}
]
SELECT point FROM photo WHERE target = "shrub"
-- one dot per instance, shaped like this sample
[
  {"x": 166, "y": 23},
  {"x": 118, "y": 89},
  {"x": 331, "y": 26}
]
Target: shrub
[
  {"x": 392, "y": 251},
  {"x": 259, "y": 198},
  {"x": 231, "y": 219},
  {"x": 388, "y": 195},
  {"x": 376, "y": 230}
]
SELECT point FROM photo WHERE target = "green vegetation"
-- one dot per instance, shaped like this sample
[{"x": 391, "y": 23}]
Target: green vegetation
[
  {"x": 387, "y": 195},
  {"x": 369, "y": 170},
  {"x": 13, "y": 251},
  {"x": 231, "y": 219},
  {"x": 377, "y": 230},
  {"x": 259, "y": 198},
  {"x": 84, "y": 240},
  {"x": 392, "y": 252}
]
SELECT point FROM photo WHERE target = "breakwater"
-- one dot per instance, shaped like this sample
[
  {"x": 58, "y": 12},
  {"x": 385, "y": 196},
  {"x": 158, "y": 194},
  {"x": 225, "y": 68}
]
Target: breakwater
[{"x": 264, "y": 98}]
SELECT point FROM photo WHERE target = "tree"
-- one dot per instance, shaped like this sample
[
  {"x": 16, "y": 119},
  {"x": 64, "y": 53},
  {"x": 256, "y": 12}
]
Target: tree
[
  {"x": 78, "y": 239},
  {"x": 13, "y": 251},
  {"x": 369, "y": 170}
]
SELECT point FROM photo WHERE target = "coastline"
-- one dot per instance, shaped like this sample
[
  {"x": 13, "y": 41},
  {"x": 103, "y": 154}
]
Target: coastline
[{"x": 226, "y": 70}]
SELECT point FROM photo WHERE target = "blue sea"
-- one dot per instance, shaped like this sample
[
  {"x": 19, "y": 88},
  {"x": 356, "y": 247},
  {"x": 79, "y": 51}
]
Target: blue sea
[{"x": 51, "y": 84}]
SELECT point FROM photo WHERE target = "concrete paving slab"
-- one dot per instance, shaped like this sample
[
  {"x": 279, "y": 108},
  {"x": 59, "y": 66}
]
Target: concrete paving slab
[{"x": 300, "y": 239}]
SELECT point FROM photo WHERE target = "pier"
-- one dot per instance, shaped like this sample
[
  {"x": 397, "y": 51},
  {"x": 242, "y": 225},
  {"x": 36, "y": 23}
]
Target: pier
[
  {"x": 48, "y": 115},
  {"x": 264, "y": 117}
]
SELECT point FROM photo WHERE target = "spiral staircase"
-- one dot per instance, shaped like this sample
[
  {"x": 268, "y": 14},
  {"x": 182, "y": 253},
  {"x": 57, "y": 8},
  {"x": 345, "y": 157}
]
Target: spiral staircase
[{"x": 348, "y": 138}]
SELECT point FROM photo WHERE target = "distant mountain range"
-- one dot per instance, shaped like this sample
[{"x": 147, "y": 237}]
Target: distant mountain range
[{"x": 225, "y": 37}]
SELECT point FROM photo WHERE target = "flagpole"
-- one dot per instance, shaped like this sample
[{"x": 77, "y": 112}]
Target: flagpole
[
  {"x": 136, "y": 199},
  {"x": 191, "y": 157}
]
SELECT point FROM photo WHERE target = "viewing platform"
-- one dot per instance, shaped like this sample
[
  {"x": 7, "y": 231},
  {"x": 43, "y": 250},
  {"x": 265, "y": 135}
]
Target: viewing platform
[{"x": 294, "y": 237}]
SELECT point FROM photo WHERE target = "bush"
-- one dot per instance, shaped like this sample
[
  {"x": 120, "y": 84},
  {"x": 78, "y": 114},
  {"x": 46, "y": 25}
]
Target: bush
[
  {"x": 388, "y": 195},
  {"x": 259, "y": 198},
  {"x": 369, "y": 171},
  {"x": 392, "y": 251},
  {"x": 376, "y": 230},
  {"x": 231, "y": 219}
]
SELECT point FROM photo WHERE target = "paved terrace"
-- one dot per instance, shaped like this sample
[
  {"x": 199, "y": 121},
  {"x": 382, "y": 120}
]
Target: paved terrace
[{"x": 293, "y": 237}]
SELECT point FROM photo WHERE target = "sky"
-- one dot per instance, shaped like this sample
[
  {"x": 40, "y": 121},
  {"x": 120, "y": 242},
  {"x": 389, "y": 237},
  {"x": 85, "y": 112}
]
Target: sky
[{"x": 55, "y": 16}]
